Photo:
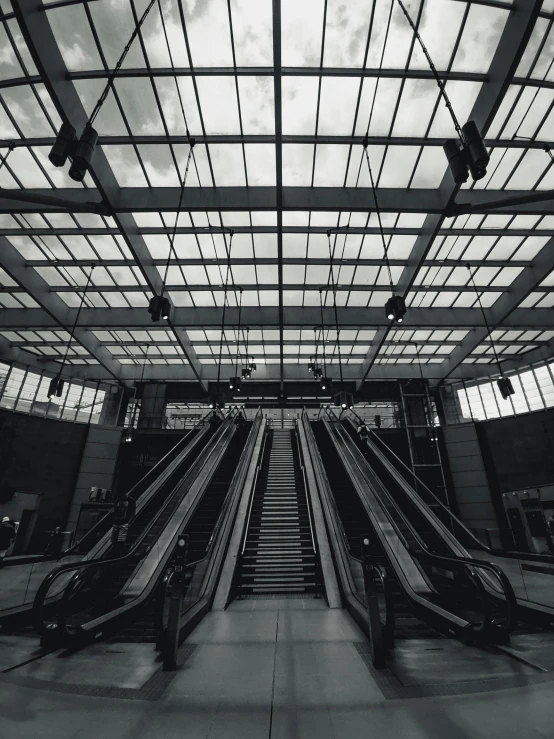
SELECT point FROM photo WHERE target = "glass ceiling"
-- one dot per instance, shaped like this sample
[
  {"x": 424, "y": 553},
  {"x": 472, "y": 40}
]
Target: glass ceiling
[{"x": 279, "y": 159}]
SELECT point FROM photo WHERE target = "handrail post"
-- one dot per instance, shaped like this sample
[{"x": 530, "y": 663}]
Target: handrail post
[
  {"x": 373, "y": 616},
  {"x": 172, "y": 639}
]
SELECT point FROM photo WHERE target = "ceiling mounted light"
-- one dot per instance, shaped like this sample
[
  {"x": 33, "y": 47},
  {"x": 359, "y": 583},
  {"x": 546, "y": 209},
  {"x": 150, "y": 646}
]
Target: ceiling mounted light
[
  {"x": 235, "y": 384},
  {"x": 128, "y": 435},
  {"x": 84, "y": 151},
  {"x": 159, "y": 307},
  {"x": 216, "y": 401},
  {"x": 64, "y": 145},
  {"x": 455, "y": 156},
  {"x": 476, "y": 152},
  {"x": 318, "y": 373},
  {"x": 55, "y": 387},
  {"x": 506, "y": 388},
  {"x": 326, "y": 383},
  {"x": 344, "y": 400},
  {"x": 395, "y": 308}
]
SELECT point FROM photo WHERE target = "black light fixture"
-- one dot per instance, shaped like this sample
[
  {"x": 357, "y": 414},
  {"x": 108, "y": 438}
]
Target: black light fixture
[
  {"x": 504, "y": 384},
  {"x": 395, "y": 308},
  {"x": 129, "y": 433},
  {"x": 159, "y": 307},
  {"x": 83, "y": 153},
  {"x": 253, "y": 366},
  {"x": 505, "y": 387},
  {"x": 55, "y": 388},
  {"x": 377, "y": 420},
  {"x": 344, "y": 400},
  {"x": 470, "y": 152},
  {"x": 216, "y": 401},
  {"x": 246, "y": 372},
  {"x": 326, "y": 384},
  {"x": 318, "y": 373},
  {"x": 235, "y": 384},
  {"x": 311, "y": 365},
  {"x": 64, "y": 145}
]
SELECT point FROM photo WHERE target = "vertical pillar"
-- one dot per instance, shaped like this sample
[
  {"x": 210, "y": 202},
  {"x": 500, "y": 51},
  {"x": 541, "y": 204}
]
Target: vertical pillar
[
  {"x": 152, "y": 406},
  {"x": 114, "y": 406}
]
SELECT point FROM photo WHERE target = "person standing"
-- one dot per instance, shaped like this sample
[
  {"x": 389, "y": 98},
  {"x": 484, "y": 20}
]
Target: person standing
[{"x": 7, "y": 535}]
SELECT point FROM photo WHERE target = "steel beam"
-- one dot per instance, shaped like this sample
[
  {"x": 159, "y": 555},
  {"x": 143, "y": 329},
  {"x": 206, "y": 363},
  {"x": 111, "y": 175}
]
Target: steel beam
[
  {"x": 62, "y": 316},
  {"x": 508, "y": 54},
  {"x": 526, "y": 282},
  {"x": 268, "y": 317},
  {"x": 47, "y": 57},
  {"x": 346, "y": 140}
]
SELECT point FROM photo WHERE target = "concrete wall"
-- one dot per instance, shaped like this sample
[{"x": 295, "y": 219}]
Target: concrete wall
[
  {"x": 475, "y": 503},
  {"x": 41, "y": 457},
  {"x": 96, "y": 469}
]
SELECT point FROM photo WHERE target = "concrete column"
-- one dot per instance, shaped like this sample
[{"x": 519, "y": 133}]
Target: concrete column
[
  {"x": 152, "y": 406},
  {"x": 114, "y": 407}
]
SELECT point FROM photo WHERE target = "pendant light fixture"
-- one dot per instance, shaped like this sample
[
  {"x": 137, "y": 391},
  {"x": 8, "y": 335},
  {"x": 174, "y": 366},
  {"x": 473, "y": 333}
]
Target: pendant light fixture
[
  {"x": 504, "y": 383},
  {"x": 325, "y": 383},
  {"x": 342, "y": 399},
  {"x": 395, "y": 307},
  {"x": 129, "y": 432},
  {"x": 159, "y": 306},
  {"x": 467, "y": 154},
  {"x": 56, "y": 383},
  {"x": 217, "y": 399},
  {"x": 246, "y": 372},
  {"x": 81, "y": 151},
  {"x": 235, "y": 382}
]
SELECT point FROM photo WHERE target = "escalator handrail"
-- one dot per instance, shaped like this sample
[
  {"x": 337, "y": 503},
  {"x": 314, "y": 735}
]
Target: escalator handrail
[
  {"x": 455, "y": 559},
  {"x": 308, "y": 501},
  {"x": 152, "y": 473},
  {"x": 253, "y": 492},
  {"x": 71, "y": 586},
  {"x": 454, "y": 562},
  {"x": 545, "y": 558},
  {"x": 131, "y": 556}
]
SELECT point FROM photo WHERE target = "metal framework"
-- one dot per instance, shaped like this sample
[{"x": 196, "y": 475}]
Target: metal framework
[{"x": 278, "y": 104}]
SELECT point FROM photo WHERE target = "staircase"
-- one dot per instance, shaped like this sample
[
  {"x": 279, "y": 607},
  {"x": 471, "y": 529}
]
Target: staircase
[{"x": 279, "y": 557}]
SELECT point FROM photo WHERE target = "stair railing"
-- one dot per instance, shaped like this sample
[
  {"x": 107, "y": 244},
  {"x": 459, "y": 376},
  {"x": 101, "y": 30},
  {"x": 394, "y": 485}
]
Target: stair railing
[{"x": 253, "y": 493}]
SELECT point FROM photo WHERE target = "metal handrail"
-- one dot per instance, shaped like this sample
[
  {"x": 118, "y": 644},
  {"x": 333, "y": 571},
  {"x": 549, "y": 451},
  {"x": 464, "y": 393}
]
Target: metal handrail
[
  {"x": 460, "y": 563},
  {"x": 155, "y": 469},
  {"x": 253, "y": 492},
  {"x": 71, "y": 586},
  {"x": 390, "y": 616},
  {"x": 308, "y": 501},
  {"x": 479, "y": 544},
  {"x": 40, "y": 598}
]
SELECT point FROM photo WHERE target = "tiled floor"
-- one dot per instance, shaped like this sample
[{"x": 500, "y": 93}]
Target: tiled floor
[{"x": 281, "y": 669}]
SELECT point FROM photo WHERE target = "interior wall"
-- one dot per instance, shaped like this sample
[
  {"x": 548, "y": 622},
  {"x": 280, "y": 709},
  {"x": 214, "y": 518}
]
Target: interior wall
[
  {"x": 519, "y": 450},
  {"x": 41, "y": 457}
]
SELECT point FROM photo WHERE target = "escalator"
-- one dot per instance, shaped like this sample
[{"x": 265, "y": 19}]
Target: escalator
[
  {"x": 530, "y": 574},
  {"x": 150, "y": 495},
  {"x": 106, "y": 597},
  {"x": 355, "y": 523},
  {"x": 439, "y": 590}
]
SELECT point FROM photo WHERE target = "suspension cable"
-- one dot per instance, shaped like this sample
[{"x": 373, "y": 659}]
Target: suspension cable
[
  {"x": 378, "y": 212},
  {"x": 114, "y": 73},
  {"x": 333, "y": 286},
  {"x": 438, "y": 80},
  {"x": 76, "y": 320},
  {"x": 4, "y": 159},
  {"x": 485, "y": 319},
  {"x": 238, "y": 335},
  {"x": 181, "y": 196},
  {"x": 322, "y": 332},
  {"x": 224, "y": 307}
]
